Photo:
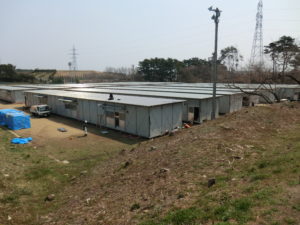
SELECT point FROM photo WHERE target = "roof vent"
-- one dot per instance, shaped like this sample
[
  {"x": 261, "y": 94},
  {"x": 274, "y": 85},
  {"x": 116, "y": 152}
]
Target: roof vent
[{"x": 111, "y": 97}]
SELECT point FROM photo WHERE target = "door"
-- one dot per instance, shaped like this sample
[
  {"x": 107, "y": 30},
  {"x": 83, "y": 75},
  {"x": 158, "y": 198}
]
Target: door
[
  {"x": 101, "y": 115},
  {"x": 196, "y": 114},
  {"x": 117, "y": 120}
]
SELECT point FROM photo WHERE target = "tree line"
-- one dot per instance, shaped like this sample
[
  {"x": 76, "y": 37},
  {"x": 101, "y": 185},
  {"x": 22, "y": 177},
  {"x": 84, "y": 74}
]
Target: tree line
[
  {"x": 189, "y": 70},
  {"x": 8, "y": 73},
  {"x": 284, "y": 55}
]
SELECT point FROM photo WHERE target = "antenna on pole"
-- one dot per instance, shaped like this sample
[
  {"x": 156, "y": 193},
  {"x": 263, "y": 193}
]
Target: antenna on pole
[{"x": 257, "y": 52}]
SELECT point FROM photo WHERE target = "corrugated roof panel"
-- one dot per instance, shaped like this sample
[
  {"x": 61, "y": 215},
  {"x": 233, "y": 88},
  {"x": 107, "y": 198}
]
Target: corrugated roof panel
[
  {"x": 120, "y": 99},
  {"x": 176, "y": 90},
  {"x": 12, "y": 88},
  {"x": 49, "y": 87},
  {"x": 147, "y": 93}
]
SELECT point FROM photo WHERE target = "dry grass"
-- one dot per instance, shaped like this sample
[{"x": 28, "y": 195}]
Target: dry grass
[{"x": 253, "y": 155}]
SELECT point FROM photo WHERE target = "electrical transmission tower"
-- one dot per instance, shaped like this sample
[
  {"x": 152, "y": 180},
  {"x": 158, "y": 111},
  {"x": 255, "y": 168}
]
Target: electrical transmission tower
[
  {"x": 73, "y": 64},
  {"x": 257, "y": 53}
]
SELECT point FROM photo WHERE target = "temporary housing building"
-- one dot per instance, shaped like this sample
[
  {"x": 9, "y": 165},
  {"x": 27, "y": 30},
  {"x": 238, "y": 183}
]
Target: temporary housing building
[
  {"x": 228, "y": 101},
  {"x": 142, "y": 116},
  {"x": 291, "y": 92},
  {"x": 249, "y": 98},
  {"x": 13, "y": 94},
  {"x": 265, "y": 95},
  {"x": 197, "y": 107},
  {"x": 283, "y": 91}
]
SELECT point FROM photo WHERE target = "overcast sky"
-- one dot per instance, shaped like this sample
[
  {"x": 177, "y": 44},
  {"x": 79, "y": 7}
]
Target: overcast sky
[{"x": 116, "y": 33}]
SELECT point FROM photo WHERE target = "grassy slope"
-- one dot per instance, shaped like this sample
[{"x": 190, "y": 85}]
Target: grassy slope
[
  {"x": 253, "y": 154},
  {"x": 29, "y": 173}
]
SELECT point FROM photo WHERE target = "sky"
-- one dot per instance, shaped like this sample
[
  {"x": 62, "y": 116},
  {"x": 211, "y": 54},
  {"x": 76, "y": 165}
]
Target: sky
[{"x": 120, "y": 33}]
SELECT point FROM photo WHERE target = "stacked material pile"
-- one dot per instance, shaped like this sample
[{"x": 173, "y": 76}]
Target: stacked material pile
[{"x": 14, "y": 119}]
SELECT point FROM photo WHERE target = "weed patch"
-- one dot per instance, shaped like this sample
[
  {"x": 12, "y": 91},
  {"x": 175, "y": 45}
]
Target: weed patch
[
  {"x": 257, "y": 177},
  {"x": 37, "y": 173}
]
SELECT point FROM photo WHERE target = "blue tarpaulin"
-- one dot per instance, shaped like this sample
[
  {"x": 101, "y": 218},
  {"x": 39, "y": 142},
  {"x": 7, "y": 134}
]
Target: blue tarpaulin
[
  {"x": 21, "y": 140},
  {"x": 17, "y": 121},
  {"x": 3, "y": 113}
]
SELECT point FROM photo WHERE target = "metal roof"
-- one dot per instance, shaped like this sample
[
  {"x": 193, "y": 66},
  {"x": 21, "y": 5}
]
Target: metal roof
[
  {"x": 193, "y": 88},
  {"x": 49, "y": 87},
  {"x": 226, "y": 85},
  {"x": 12, "y": 88},
  {"x": 83, "y": 85},
  {"x": 176, "y": 90},
  {"x": 173, "y": 95},
  {"x": 119, "y": 99}
]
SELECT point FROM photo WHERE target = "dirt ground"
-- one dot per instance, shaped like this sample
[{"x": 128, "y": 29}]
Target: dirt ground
[{"x": 45, "y": 130}]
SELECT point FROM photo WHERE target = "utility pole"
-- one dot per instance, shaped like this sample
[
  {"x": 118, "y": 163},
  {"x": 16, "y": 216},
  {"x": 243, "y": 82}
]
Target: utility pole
[{"x": 215, "y": 17}]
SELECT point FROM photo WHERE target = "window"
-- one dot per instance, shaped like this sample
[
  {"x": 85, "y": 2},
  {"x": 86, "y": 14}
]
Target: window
[
  {"x": 43, "y": 108},
  {"x": 110, "y": 120},
  {"x": 70, "y": 104},
  {"x": 122, "y": 116}
]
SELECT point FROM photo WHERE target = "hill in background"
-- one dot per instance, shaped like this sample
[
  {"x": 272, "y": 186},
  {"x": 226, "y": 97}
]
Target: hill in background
[{"x": 66, "y": 76}]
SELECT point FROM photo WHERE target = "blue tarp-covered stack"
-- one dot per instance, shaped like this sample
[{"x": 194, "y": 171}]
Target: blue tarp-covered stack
[
  {"x": 17, "y": 121},
  {"x": 14, "y": 119},
  {"x": 3, "y": 113}
]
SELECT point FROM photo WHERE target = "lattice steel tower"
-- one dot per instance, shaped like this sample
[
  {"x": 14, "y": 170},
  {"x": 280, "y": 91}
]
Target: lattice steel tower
[
  {"x": 257, "y": 53},
  {"x": 74, "y": 54}
]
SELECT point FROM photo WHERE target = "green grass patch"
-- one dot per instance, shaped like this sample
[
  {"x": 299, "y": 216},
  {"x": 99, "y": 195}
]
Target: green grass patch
[
  {"x": 37, "y": 173},
  {"x": 296, "y": 207},
  {"x": 262, "y": 164},
  {"x": 242, "y": 205},
  {"x": 277, "y": 171},
  {"x": 264, "y": 194},
  {"x": 237, "y": 210},
  {"x": 257, "y": 177},
  {"x": 294, "y": 182},
  {"x": 13, "y": 197},
  {"x": 290, "y": 221},
  {"x": 183, "y": 217}
]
